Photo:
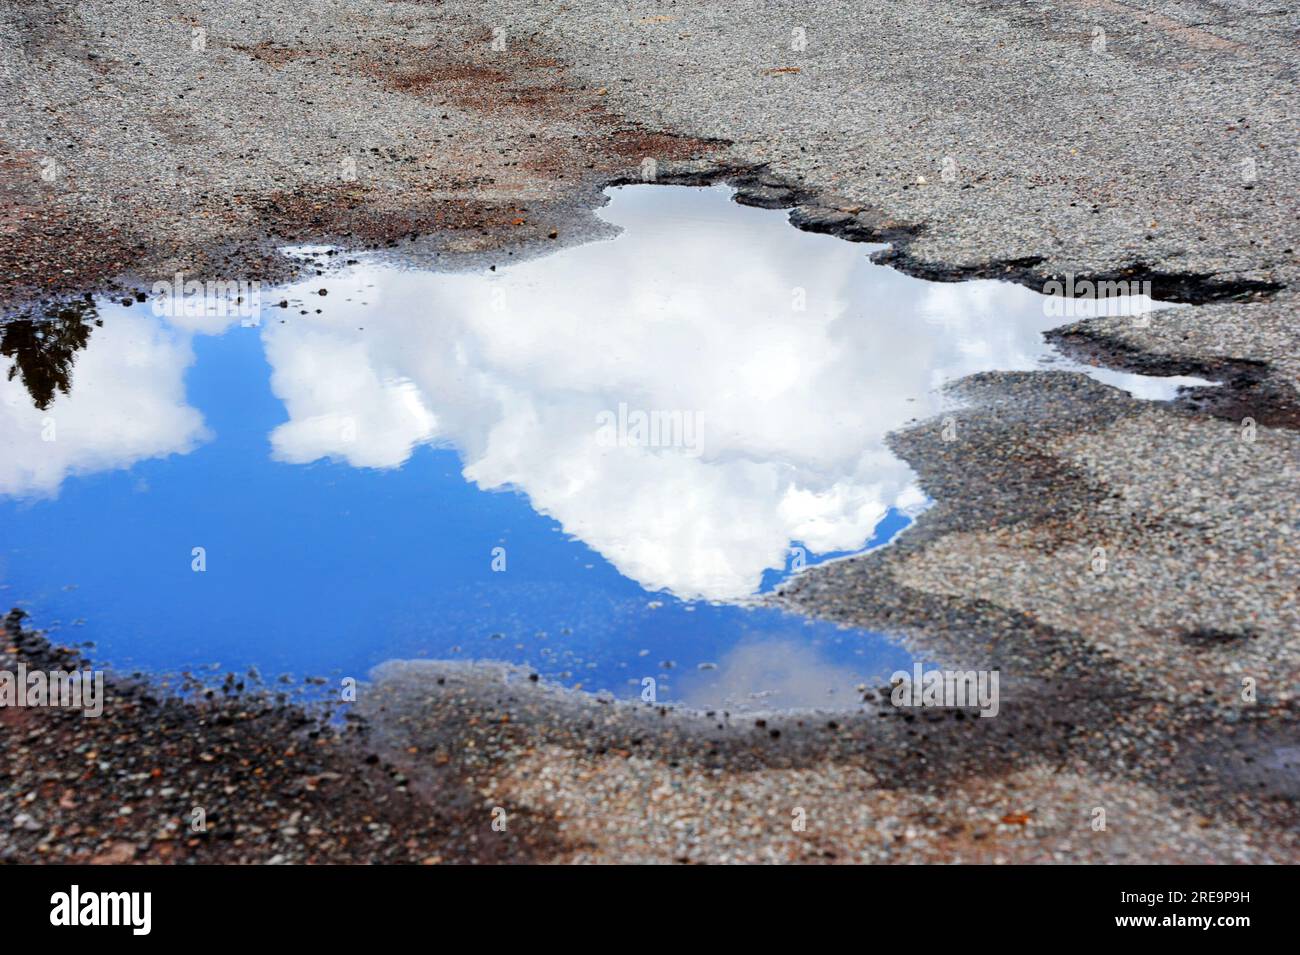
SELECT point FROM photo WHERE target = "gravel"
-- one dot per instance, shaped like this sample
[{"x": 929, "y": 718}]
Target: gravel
[{"x": 1023, "y": 141}]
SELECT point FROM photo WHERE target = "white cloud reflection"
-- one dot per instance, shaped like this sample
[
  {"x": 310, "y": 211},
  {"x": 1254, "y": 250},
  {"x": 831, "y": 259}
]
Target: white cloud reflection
[
  {"x": 776, "y": 674},
  {"x": 691, "y": 309},
  {"x": 126, "y": 403}
]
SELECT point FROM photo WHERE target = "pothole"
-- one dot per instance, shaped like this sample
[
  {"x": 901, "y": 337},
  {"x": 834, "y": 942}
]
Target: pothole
[{"x": 586, "y": 463}]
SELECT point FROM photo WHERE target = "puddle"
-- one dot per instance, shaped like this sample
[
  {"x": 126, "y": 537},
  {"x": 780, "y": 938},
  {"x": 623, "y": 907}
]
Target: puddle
[{"x": 584, "y": 462}]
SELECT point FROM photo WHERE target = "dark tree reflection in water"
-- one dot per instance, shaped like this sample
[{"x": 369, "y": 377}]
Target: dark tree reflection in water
[{"x": 45, "y": 349}]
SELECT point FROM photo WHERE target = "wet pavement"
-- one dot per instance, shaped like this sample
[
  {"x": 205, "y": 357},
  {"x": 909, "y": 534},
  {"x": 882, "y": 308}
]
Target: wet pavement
[{"x": 1159, "y": 687}]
